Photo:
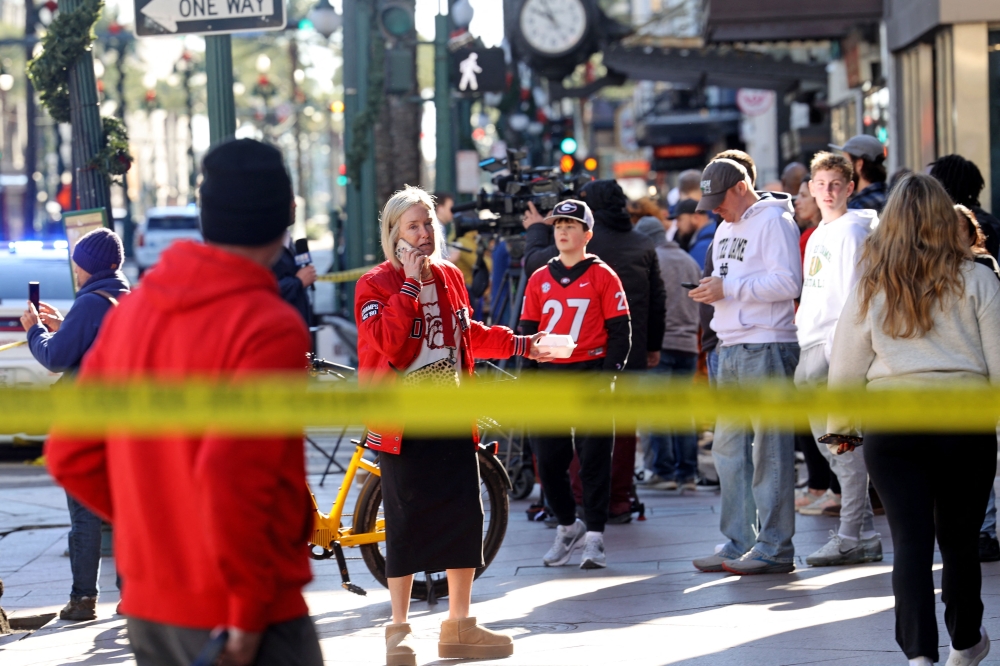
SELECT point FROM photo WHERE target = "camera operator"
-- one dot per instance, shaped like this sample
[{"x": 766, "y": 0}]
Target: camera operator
[
  {"x": 97, "y": 260},
  {"x": 414, "y": 327},
  {"x": 632, "y": 256}
]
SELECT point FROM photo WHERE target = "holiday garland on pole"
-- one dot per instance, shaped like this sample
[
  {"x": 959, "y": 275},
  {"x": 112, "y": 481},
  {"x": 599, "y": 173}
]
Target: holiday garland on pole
[{"x": 69, "y": 37}]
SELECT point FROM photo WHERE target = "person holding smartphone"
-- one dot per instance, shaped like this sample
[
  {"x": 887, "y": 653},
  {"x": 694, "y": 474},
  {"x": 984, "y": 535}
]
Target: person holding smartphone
[
  {"x": 59, "y": 343},
  {"x": 414, "y": 327}
]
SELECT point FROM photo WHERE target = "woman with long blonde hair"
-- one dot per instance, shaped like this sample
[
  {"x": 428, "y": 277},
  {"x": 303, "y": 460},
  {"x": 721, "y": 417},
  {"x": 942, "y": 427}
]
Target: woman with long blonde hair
[{"x": 925, "y": 313}]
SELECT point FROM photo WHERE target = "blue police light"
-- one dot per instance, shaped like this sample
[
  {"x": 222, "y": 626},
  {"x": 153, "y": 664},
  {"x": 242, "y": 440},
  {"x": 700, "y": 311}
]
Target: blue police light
[{"x": 568, "y": 145}]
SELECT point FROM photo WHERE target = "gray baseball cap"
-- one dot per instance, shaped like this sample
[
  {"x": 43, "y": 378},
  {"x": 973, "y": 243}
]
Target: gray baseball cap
[
  {"x": 716, "y": 179},
  {"x": 863, "y": 145}
]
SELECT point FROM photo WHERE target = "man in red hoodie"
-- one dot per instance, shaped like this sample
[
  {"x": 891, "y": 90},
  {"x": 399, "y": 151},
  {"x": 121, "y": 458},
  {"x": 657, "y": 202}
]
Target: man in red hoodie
[{"x": 210, "y": 531}]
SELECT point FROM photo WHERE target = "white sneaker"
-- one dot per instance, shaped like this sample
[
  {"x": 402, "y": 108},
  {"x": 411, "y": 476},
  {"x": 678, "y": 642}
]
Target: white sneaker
[
  {"x": 973, "y": 655},
  {"x": 568, "y": 538},
  {"x": 825, "y": 500},
  {"x": 593, "y": 552}
]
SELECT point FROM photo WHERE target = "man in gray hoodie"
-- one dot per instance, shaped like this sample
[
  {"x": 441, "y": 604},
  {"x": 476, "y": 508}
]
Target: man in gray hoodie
[{"x": 674, "y": 455}]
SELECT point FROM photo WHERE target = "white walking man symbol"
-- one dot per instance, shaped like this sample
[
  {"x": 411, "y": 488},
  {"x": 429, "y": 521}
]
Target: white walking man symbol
[{"x": 469, "y": 68}]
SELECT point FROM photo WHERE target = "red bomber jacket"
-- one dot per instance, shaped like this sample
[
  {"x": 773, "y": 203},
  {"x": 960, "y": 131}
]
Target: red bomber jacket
[{"x": 391, "y": 326}]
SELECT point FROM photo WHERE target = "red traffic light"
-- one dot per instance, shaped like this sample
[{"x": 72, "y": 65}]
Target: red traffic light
[
  {"x": 566, "y": 164},
  {"x": 342, "y": 170}
]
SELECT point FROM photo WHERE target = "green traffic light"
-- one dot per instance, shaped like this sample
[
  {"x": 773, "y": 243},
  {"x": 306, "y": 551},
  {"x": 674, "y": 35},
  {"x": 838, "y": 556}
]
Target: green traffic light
[
  {"x": 342, "y": 180},
  {"x": 568, "y": 145}
]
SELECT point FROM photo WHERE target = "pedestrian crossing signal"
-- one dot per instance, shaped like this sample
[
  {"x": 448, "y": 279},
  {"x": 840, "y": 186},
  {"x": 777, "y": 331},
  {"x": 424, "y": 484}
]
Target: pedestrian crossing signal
[{"x": 567, "y": 163}]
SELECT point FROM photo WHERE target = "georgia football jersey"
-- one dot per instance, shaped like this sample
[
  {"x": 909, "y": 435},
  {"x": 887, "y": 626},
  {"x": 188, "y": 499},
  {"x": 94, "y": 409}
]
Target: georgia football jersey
[{"x": 576, "y": 301}]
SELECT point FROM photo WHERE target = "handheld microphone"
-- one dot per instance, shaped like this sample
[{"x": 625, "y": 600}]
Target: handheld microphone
[{"x": 302, "y": 256}]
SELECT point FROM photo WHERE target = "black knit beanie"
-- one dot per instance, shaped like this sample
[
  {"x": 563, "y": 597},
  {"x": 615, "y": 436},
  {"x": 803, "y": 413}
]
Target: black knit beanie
[{"x": 246, "y": 194}]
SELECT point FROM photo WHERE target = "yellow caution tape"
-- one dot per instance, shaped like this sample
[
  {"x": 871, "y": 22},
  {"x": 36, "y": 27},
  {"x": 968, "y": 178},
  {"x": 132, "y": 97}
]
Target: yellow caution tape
[
  {"x": 12, "y": 345},
  {"x": 352, "y": 275},
  {"x": 544, "y": 404}
]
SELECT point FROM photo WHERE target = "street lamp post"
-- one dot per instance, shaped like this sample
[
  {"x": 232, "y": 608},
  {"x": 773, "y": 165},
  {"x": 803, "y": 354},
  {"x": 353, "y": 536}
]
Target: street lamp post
[
  {"x": 186, "y": 67},
  {"x": 119, "y": 42},
  {"x": 88, "y": 132}
]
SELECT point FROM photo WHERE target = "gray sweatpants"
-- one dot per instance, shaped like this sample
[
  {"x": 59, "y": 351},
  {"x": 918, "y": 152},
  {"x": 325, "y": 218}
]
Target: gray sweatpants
[
  {"x": 291, "y": 643},
  {"x": 855, "y": 506}
]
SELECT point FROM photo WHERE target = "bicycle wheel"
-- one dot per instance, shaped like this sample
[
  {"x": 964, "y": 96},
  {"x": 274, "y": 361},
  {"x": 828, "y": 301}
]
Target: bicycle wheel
[{"x": 493, "y": 486}]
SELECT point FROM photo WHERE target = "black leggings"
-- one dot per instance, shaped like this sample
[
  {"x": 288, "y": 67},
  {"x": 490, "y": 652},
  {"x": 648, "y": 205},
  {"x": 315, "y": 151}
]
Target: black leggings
[
  {"x": 821, "y": 477},
  {"x": 934, "y": 485}
]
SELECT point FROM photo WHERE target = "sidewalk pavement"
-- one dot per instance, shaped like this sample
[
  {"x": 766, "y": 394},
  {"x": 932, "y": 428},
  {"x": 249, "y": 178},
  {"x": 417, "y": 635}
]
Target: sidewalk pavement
[{"x": 649, "y": 607}]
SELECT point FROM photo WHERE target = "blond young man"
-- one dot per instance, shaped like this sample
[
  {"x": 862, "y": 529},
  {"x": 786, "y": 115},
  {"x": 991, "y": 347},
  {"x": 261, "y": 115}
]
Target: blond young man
[{"x": 830, "y": 275}]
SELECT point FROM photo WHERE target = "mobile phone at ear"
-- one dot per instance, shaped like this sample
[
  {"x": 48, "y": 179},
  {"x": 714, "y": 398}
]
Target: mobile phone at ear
[
  {"x": 401, "y": 247},
  {"x": 689, "y": 285},
  {"x": 34, "y": 294}
]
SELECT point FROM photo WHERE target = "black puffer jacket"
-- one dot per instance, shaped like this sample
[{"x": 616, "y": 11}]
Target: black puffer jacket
[{"x": 629, "y": 254}]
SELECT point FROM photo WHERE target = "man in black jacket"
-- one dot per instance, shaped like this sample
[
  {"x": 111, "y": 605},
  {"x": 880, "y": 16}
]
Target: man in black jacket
[{"x": 633, "y": 257}]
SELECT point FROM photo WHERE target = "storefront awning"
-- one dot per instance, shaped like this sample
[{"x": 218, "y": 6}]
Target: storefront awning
[{"x": 713, "y": 65}]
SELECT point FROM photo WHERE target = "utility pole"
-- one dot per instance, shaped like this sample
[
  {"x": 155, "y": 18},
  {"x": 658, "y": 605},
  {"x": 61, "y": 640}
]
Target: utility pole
[
  {"x": 444, "y": 167},
  {"x": 31, "y": 145},
  {"x": 92, "y": 189},
  {"x": 221, "y": 105}
]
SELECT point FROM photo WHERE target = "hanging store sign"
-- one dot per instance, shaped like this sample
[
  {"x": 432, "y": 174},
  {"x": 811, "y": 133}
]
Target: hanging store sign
[{"x": 177, "y": 17}]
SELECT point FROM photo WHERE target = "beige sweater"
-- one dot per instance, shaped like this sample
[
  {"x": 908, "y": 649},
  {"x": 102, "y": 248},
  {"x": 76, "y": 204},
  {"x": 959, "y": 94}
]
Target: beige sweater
[{"x": 963, "y": 346}]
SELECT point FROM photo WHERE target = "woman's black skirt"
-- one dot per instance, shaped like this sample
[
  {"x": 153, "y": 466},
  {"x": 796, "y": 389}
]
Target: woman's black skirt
[{"x": 433, "y": 509}]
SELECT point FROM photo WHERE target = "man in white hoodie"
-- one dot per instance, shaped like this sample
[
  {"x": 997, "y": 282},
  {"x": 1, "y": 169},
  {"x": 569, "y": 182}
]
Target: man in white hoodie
[
  {"x": 831, "y": 274},
  {"x": 756, "y": 277}
]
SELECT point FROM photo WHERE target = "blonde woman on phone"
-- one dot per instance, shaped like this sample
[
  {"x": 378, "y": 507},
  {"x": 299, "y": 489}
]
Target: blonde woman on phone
[{"x": 414, "y": 326}]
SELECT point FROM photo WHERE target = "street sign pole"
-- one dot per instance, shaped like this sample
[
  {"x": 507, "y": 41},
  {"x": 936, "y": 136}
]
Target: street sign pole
[
  {"x": 215, "y": 19},
  {"x": 221, "y": 106}
]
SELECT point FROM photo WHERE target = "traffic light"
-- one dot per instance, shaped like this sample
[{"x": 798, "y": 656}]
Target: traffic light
[
  {"x": 342, "y": 178},
  {"x": 590, "y": 164},
  {"x": 568, "y": 145},
  {"x": 395, "y": 19},
  {"x": 566, "y": 163}
]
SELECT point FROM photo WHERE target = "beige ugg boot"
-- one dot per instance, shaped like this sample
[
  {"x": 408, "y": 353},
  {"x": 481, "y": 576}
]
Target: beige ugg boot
[
  {"x": 399, "y": 645},
  {"x": 464, "y": 639}
]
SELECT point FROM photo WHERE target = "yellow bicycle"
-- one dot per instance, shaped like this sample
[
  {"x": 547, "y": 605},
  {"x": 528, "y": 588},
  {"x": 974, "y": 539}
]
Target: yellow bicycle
[{"x": 367, "y": 528}]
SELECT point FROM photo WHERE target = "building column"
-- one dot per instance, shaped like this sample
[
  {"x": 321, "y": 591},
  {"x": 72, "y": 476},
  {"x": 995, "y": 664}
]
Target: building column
[{"x": 970, "y": 84}]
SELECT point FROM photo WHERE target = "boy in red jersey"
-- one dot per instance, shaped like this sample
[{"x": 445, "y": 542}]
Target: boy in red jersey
[{"x": 577, "y": 294}]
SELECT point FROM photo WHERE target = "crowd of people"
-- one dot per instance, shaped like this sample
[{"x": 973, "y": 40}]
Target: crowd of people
[{"x": 831, "y": 275}]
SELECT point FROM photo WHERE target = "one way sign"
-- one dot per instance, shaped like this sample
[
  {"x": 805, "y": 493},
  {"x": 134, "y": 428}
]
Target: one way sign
[{"x": 174, "y": 17}]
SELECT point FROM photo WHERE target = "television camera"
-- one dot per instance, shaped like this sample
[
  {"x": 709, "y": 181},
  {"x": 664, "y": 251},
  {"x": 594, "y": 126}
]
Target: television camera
[{"x": 517, "y": 185}]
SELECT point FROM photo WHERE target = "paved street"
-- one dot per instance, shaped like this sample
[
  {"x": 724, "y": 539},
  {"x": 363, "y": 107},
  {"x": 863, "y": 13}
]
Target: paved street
[{"x": 648, "y": 608}]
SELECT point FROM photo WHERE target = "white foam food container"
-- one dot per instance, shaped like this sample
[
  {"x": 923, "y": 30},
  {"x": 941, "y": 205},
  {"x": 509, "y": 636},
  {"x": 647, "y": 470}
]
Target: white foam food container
[{"x": 558, "y": 346}]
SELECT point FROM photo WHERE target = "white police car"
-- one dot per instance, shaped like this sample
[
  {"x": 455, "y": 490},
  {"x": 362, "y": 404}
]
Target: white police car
[
  {"x": 22, "y": 262},
  {"x": 164, "y": 226}
]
